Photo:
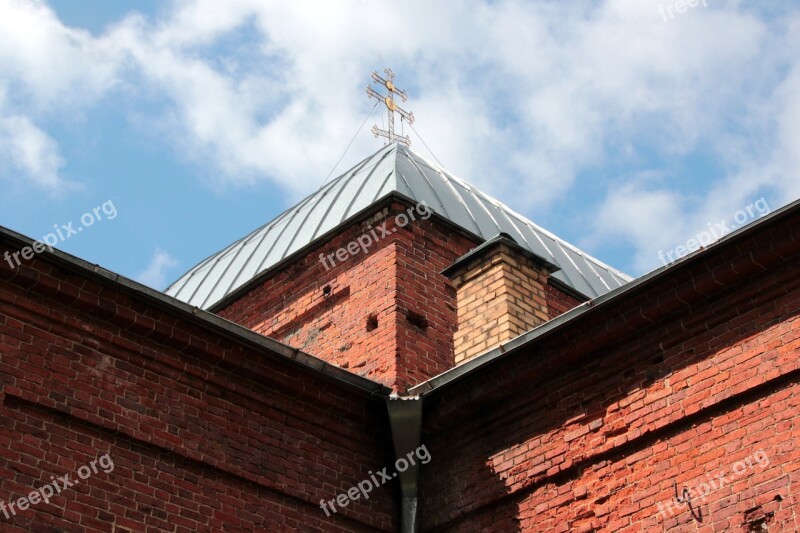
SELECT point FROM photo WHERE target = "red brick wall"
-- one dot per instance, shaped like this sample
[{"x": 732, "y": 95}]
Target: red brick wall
[
  {"x": 423, "y": 252},
  {"x": 589, "y": 432},
  {"x": 397, "y": 283},
  {"x": 205, "y": 432},
  {"x": 558, "y": 301}
]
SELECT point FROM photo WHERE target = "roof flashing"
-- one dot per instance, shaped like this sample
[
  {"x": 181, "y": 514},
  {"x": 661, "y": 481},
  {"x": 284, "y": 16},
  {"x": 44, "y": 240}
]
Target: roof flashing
[{"x": 502, "y": 239}]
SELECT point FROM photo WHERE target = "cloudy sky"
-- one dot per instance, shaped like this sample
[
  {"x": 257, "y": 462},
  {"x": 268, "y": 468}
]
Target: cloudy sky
[{"x": 624, "y": 126}]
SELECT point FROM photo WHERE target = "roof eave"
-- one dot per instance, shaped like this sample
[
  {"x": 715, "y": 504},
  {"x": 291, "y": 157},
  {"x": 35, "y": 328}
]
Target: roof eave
[
  {"x": 198, "y": 316},
  {"x": 528, "y": 340}
]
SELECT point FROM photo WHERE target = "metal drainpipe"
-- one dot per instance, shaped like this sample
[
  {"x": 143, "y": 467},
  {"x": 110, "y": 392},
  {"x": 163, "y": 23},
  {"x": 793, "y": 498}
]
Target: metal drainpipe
[{"x": 405, "y": 418}]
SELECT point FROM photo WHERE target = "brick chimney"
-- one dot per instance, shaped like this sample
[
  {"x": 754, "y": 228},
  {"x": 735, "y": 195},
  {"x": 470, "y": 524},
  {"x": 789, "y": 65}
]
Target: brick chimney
[{"x": 500, "y": 290}]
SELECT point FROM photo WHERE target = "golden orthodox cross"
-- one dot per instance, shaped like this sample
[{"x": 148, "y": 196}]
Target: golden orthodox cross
[{"x": 391, "y": 107}]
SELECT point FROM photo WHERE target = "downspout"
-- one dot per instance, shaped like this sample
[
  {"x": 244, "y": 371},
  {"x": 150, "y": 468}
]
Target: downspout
[{"x": 405, "y": 418}]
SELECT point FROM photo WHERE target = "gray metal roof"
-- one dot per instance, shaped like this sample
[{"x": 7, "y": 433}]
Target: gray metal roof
[{"x": 393, "y": 169}]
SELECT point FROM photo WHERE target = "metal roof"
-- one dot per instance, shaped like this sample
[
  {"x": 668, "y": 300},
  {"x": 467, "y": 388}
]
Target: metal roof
[{"x": 392, "y": 170}]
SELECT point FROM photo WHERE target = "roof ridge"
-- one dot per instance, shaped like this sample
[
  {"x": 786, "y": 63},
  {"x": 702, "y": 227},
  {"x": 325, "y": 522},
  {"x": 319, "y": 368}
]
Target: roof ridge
[
  {"x": 246, "y": 239},
  {"x": 354, "y": 191}
]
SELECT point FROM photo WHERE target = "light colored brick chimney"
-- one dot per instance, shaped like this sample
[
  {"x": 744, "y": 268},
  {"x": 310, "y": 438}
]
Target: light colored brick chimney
[{"x": 500, "y": 290}]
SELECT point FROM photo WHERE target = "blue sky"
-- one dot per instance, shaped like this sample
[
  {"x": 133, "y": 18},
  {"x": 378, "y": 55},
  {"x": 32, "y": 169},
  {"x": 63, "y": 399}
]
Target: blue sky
[{"x": 623, "y": 126}]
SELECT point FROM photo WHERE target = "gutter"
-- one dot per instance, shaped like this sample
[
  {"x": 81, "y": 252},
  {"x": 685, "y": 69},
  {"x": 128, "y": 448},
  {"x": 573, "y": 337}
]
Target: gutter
[{"x": 405, "y": 418}]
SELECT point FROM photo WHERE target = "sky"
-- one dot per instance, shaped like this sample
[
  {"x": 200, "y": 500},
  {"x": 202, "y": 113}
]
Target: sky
[{"x": 150, "y": 134}]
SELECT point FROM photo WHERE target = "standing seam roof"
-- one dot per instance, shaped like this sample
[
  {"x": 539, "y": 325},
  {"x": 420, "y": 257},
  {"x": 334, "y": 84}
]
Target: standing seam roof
[{"x": 393, "y": 169}]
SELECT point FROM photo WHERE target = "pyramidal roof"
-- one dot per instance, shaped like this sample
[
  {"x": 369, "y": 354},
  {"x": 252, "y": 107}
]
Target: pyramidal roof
[{"x": 392, "y": 170}]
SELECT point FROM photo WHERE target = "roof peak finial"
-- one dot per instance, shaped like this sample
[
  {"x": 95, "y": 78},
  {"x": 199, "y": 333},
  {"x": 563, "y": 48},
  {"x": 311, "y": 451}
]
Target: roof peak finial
[{"x": 391, "y": 107}]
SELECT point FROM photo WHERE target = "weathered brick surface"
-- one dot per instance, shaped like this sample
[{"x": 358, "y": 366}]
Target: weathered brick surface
[
  {"x": 389, "y": 314},
  {"x": 559, "y": 302},
  {"x": 206, "y": 433},
  {"x": 675, "y": 384},
  {"x": 689, "y": 377}
]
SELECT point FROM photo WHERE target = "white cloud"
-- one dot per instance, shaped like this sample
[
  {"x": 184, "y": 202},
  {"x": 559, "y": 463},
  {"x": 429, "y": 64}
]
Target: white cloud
[
  {"x": 27, "y": 153},
  {"x": 155, "y": 275},
  {"x": 30, "y": 152},
  {"x": 49, "y": 64},
  {"x": 749, "y": 121},
  {"x": 44, "y": 67},
  {"x": 521, "y": 98}
]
